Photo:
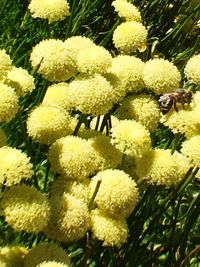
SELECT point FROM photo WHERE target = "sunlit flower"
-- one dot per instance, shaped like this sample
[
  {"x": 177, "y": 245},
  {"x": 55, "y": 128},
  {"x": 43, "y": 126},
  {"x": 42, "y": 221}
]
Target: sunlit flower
[
  {"x": 130, "y": 36},
  {"x": 3, "y": 138},
  {"x": 46, "y": 252},
  {"x": 69, "y": 219},
  {"x": 112, "y": 232},
  {"x": 160, "y": 167},
  {"x": 184, "y": 121},
  {"x": 52, "y": 264},
  {"x": 141, "y": 108},
  {"x": 79, "y": 190},
  {"x": 75, "y": 44},
  {"x": 191, "y": 149},
  {"x": 14, "y": 166},
  {"x": 127, "y": 10},
  {"x": 8, "y": 103},
  {"x": 106, "y": 154},
  {"x": 52, "y": 60},
  {"x": 25, "y": 208},
  {"x": 161, "y": 75},
  {"x": 94, "y": 59},
  {"x": 57, "y": 95},
  {"x": 73, "y": 157},
  {"x": 5, "y": 63},
  {"x": 92, "y": 94},
  {"x": 131, "y": 138},
  {"x": 129, "y": 70},
  {"x": 12, "y": 256},
  {"x": 53, "y": 10},
  {"x": 47, "y": 123},
  {"x": 20, "y": 80},
  {"x": 192, "y": 69},
  {"x": 117, "y": 195}
]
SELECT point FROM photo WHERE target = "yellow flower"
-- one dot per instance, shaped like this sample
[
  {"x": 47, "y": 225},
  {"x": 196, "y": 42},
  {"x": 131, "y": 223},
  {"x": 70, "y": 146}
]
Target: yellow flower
[
  {"x": 131, "y": 138},
  {"x": 12, "y": 256},
  {"x": 72, "y": 157},
  {"x": 129, "y": 70},
  {"x": 45, "y": 252},
  {"x": 20, "y": 80},
  {"x": 94, "y": 59},
  {"x": 76, "y": 44},
  {"x": 47, "y": 123},
  {"x": 52, "y": 60},
  {"x": 191, "y": 149},
  {"x": 161, "y": 75},
  {"x": 112, "y": 232},
  {"x": 14, "y": 166},
  {"x": 52, "y": 264},
  {"x": 160, "y": 167},
  {"x": 25, "y": 208},
  {"x": 79, "y": 190},
  {"x": 130, "y": 36},
  {"x": 117, "y": 195},
  {"x": 5, "y": 63},
  {"x": 57, "y": 95},
  {"x": 127, "y": 10},
  {"x": 192, "y": 69},
  {"x": 106, "y": 154},
  {"x": 3, "y": 138},
  {"x": 69, "y": 219},
  {"x": 53, "y": 10},
  {"x": 186, "y": 120},
  {"x": 141, "y": 108},
  {"x": 92, "y": 94},
  {"x": 8, "y": 103}
]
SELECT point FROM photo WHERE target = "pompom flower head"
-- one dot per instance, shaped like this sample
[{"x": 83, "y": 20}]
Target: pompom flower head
[
  {"x": 5, "y": 63},
  {"x": 3, "y": 138},
  {"x": 107, "y": 155},
  {"x": 20, "y": 80},
  {"x": 78, "y": 189},
  {"x": 46, "y": 124},
  {"x": 129, "y": 70},
  {"x": 112, "y": 232},
  {"x": 141, "y": 108},
  {"x": 57, "y": 95},
  {"x": 8, "y": 103},
  {"x": 75, "y": 44},
  {"x": 192, "y": 69},
  {"x": 25, "y": 208},
  {"x": 131, "y": 138},
  {"x": 191, "y": 149},
  {"x": 12, "y": 256},
  {"x": 160, "y": 167},
  {"x": 130, "y": 36},
  {"x": 53, "y": 10},
  {"x": 72, "y": 157},
  {"x": 127, "y": 11},
  {"x": 14, "y": 166},
  {"x": 161, "y": 75},
  {"x": 95, "y": 59},
  {"x": 117, "y": 195},
  {"x": 52, "y": 60},
  {"x": 92, "y": 94},
  {"x": 46, "y": 252},
  {"x": 69, "y": 219}
]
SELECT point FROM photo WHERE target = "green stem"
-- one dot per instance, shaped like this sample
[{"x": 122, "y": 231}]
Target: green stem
[{"x": 94, "y": 195}]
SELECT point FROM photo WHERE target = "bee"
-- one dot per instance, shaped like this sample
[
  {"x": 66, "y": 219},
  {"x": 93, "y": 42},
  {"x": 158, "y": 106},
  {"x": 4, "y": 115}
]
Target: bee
[{"x": 171, "y": 99}]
